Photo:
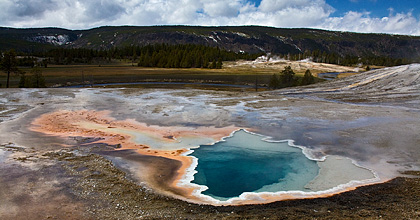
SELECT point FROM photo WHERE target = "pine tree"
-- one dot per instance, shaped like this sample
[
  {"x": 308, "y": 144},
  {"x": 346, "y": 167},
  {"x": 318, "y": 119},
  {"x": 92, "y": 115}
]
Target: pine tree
[
  {"x": 219, "y": 64},
  {"x": 23, "y": 81},
  {"x": 307, "y": 78},
  {"x": 274, "y": 82},
  {"x": 287, "y": 77},
  {"x": 37, "y": 80},
  {"x": 134, "y": 58},
  {"x": 214, "y": 64}
]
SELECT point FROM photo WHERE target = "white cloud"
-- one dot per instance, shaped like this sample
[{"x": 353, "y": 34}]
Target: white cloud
[
  {"x": 221, "y": 8},
  {"x": 279, "y": 5},
  {"x": 305, "y": 15},
  {"x": 79, "y": 14},
  {"x": 399, "y": 23}
]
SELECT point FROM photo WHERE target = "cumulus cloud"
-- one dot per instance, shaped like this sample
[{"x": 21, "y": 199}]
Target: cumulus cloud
[
  {"x": 279, "y": 5},
  {"x": 399, "y": 23},
  {"x": 216, "y": 8},
  {"x": 21, "y": 9},
  {"x": 31, "y": 8},
  {"x": 65, "y": 13},
  {"x": 102, "y": 9},
  {"x": 80, "y": 14},
  {"x": 283, "y": 13}
]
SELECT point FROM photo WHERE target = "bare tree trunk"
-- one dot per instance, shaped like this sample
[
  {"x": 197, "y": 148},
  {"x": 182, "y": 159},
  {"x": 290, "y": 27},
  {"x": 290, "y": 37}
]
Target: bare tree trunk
[
  {"x": 8, "y": 78},
  {"x": 256, "y": 84}
]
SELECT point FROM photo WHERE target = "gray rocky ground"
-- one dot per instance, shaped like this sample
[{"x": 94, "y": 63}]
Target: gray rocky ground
[{"x": 372, "y": 118}]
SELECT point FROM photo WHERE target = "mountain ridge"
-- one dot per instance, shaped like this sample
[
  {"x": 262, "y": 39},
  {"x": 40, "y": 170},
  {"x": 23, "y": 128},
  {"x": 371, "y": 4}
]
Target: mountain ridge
[{"x": 250, "y": 39}]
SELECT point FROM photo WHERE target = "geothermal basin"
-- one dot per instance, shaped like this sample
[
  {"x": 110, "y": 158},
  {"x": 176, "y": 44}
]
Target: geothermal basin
[
  {"x": 219, "y": 165},
  {"x": 218, "y": 148},
  {"x": 249, "y": 168}
]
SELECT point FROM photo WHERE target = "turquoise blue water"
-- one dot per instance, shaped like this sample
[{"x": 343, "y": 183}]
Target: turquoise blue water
[{"x": 246, "y": 163}]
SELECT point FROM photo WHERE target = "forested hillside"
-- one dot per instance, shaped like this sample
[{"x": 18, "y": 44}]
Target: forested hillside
[
  {"x": 158, "y": 55},
  {"x": 323, "y": 46}
]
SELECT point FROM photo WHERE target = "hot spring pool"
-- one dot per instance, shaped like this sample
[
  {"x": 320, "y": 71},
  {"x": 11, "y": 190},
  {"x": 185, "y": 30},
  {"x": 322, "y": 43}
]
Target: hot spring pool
[{"x": 245, "y": 162}]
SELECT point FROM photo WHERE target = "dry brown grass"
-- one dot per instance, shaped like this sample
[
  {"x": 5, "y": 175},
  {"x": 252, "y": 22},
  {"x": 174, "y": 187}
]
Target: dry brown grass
[
  {"x": 114, "y": 70},
  {"x": 238, "y": 72},
  {"x": 236, "y": 68}
]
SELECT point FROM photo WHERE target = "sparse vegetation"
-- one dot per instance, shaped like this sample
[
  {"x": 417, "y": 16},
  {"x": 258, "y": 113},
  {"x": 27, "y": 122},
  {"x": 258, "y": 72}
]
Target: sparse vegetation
[
  {"x": 288, "y": 78},
  {"x": 285, "y": 79},
  {"x": 347, "y": 60},
  {"x": 35, "y": 80}
]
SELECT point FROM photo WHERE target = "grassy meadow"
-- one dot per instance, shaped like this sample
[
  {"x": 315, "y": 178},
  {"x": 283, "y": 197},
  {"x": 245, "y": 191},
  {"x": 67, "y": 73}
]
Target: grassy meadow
[{"x": 238, "y": 73}]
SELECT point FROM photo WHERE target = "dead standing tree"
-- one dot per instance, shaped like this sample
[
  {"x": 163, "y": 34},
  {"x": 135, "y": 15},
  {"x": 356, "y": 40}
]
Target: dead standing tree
[{"x": 9, "y": 64}]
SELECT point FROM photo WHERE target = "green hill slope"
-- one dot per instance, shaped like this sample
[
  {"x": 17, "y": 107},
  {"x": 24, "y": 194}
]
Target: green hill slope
[{"x": 251, "y": 39}]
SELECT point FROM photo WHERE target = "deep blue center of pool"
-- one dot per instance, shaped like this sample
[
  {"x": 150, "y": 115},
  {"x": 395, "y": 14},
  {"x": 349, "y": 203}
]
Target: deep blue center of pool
[{"x": 246, "y": 163}]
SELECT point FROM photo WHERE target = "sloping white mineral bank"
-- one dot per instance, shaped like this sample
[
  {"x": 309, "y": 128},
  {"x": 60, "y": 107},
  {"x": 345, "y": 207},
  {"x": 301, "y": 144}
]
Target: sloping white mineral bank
[
  {"x": 336, "y": 174},
  {"x": 335, "y": 171}
]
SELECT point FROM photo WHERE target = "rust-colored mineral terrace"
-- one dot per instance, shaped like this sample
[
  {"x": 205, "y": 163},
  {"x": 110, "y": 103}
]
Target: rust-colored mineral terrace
[
  {"x": 108, "y": 130},
  {"x": 99, "y": 124}
]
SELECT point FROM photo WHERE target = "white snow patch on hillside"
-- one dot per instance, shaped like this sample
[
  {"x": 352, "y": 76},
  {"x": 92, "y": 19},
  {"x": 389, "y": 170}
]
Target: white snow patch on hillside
[{"x": 52, "y": 39}]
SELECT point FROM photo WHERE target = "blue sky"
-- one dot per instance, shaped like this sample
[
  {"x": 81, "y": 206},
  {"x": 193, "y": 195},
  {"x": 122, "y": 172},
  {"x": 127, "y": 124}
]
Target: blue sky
[
  {"x": 378, "y": 8},
  {"x": 368, "y": 16}
]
